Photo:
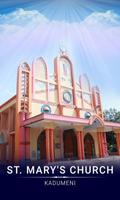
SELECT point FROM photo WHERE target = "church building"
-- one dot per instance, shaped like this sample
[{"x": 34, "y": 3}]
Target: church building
[{"x": 55, "y": 117}]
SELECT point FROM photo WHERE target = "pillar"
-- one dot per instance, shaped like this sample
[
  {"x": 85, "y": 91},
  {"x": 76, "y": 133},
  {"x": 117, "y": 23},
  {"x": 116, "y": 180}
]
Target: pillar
[
  {"x": 60, "y": 109},
  {"x": 47, "y": 144},
  {"x": 24, "y": 141},
  {"x": 27, "y": 143},
  {"x": 52, "y": 153},
  {"x": 80, "y": 145},
  {"x": 77, "y": 112},
  {"x": 11, "y": 146},
  {"x": 105, "y": 148},
  {"x": 9, "y": 119},
  {"x": 102, "y": 144},
  {"x": 49, "y": 141},
  {"x": 22, "y": 144},
  {"x": 61, "y": 144},
  {"x": 118, "y": 142},
  {"x": 99, "y": 144},
  {"x": 0, "y": 121}
]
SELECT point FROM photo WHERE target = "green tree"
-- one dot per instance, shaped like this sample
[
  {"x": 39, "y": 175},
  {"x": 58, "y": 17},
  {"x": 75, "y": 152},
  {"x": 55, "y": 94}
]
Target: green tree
[{"x": 112, "y": 115}]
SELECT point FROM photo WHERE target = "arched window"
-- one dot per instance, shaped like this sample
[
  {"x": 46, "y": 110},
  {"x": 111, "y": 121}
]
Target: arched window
[
  {"x": 84, "y": 82},
  {"x": 65, "y": 70},
  {"x": 24, "y": 87},
  {"x": 40, "y": 79},
  {"x": 86, "y": 91},
  {"x": 25, "y": 79},
  {"x": 40, "y": 69}
]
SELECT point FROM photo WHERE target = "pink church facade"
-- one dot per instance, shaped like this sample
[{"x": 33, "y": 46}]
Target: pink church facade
[{"x": 54, "y": 117}]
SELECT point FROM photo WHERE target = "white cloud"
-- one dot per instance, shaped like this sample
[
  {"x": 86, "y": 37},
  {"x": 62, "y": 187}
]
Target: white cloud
[
  {"x": 108, "y": 18},
  {"x": 22, "y": 18},
  {"x": 27, "y": 19},
  {"x": 9, "y": 28},
  {"x": 21, "y": 21}
]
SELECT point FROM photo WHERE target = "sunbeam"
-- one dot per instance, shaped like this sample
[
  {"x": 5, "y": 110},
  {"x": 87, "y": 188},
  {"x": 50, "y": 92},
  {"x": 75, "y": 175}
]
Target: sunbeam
[{"x": 89, "y": 30}]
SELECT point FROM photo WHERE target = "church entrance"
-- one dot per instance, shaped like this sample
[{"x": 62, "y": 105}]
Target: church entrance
[
  {"x": 89, "y": 146},
  {"x": 111, "y": 143},
  {"x": 70, "y": 144},
  {"x": 41, "y": 146}
]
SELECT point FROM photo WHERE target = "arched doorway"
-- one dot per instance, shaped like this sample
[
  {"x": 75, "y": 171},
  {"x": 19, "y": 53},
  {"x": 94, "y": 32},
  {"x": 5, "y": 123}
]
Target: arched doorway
[
  {"x": 111, "y": 143},
  {"x": 70, "y": 144},
  {"x": 89, "y": 146},
  {"x": 41, "y": 146}
]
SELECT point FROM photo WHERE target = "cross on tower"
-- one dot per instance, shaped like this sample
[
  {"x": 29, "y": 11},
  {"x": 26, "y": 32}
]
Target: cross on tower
[{"x": 63, "y": 50}]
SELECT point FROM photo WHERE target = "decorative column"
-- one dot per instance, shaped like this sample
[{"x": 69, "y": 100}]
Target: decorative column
[
  {"x": 118, "y": 141},
  {"x": 99, "y": 144},
  {"x": 80, "y": 144},
  {"x": 11, "y": 134},
  {"x": 24, "y": 142},
  {"x": 105, "y": 148},
  {"x": 77, "y": 112},
  {"x": 27, "y": 143},
  {"x": 103, "y": 152},
  {"x": 61, "y": 144},
  {"x": 52, "y": 153},
  {"x": 60, "y": 109},
  {"x": 10, "y": 116},
  {"x": 47, "y": 144},
  {"x": 49, "y": 135},
  {"x": 0, "y": 121},
  {"x": 12, "y": 146}
]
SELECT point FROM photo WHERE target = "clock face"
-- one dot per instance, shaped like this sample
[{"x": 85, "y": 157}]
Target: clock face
[{"x": 67, "y": 97}]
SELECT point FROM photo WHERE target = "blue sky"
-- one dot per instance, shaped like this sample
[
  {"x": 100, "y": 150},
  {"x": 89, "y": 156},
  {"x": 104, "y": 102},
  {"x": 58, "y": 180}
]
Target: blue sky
[{"x": 89, "y": 30}]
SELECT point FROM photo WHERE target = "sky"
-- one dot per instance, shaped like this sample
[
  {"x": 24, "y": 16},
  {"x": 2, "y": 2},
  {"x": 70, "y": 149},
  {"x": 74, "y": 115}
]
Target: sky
[{"x": 88, "y": 29}]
